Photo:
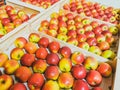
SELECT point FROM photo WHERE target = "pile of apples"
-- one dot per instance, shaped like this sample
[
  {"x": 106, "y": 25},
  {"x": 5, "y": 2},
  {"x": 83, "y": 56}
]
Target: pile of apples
[
  {"x": 93, "y": 9},
  {"x": 11, "y": 18},
  {"x": 41, "y": 3},
  {"x": 80, "y": 31},
  {"x": 39, "y": 63}
]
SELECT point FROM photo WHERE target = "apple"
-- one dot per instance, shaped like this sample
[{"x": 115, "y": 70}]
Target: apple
[
  {"x": 34, "y": 37},
  {"x": 2, "y": 32},
  {"x": 69, "y": 16},
  {"x": 80, "y": 31},
  {"x": 30, "y": 47},
  {"x": 65, "y": 64},
  {"x": 3, "y": 58},
  {"x": 85, "y": 21},
  {"x": 35, "y": 81},
  {"x": 90, "y": 63},
  {"x": 5, "y": 21},
  {"x": 87, "y": 27},
  {"x": 72, "y": 41},
  {"x": 11, "y": 12},
  {"x": 52, "y": 33},
  {"x": 94, "y": 24},
  {"x": 62, "y": 19},
  {"x": 97, "y": 30},
  {"x": 65, "y": 51},
  {"x": 104, "y": 45},
  {"x": 62, "y": 37},
  {"x": 84, "y": 45},
  {"x": 54, "y": 46},
  {"x": 39, "y": 66},
  {"x": 70, "y": 22},
  {"x": 23, "y": 73},
  {"x": 20, "y": 13},
  {"x": 52, "y": 85},
  {"x": 44, "y": 23},
  {"x": 100, "y": 38},
  {"x": 110, "y": 40},
  {"x": 107, "y": 33},
  {"x": 53, "y": 21},
  {"x": 18, "y": 86},
  {"x": 65, "y": 80},
  {"x": 88, "y": 13},
  {"x": 114, "y": 30},
  {"x": 77, "y": 18},
  {"x": 44, "y": 41},
  {"x": 80, "y": 85},
  {"x": 8, "y": 66},
  {"x": 71, "y": 27},
  {"x": 17, "y": 22},
  {"x": 8, "y": 7},
  {"x": 53, "y": 26},
  {"x": 97, "y": 88},
  {"x": 9, "y": 27},
  {"x": 24, "y": 18},
  {"x": 81, "y": 37},
  {"x": 78, "y": 71},
  {"x": 6, "y": 81},
  {"x": 104, "y": 27},
  {"x": 52, "y": 59},
  {"x": 20, "y": 42},
  {"x": 66, "y": 6},
  {"x": 91, "y": 41},
  {"x": 52, "y": 72},
  {"x": 104, "y": 69},
  {"x": 41, "y": 53},
  {"x": 71, "y": 33},
  {"x": 95, "y": 50},
  {"x": 3, "y": 15},
  {"x": 94, "y": 78},
  {"x": 109, "y": 54},
  {"x": 62, "y": 30},
  {"x": 112, "y": 19},
  {"x": 27, "y": 59},
  {"x": 89, "y": 34},
  {"x": 13, "y": 17},
  {"x": 77, "y": 58},
  {"x": 16, "y": 53}
]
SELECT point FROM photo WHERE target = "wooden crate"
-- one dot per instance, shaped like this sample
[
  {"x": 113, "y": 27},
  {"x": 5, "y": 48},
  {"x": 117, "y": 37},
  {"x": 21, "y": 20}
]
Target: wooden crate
[
  {"x": 18, "y": 7},
  {"x": 25, "y": 32}
]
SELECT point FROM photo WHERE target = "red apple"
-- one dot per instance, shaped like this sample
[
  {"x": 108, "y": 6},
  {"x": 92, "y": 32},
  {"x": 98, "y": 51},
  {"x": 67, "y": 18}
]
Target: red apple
[
  {"x": 20, "y": 42},
  {"x": 39, "y": 66},
  {"x": 5, "y": 21},
  {"x": 94, "y": 78},
  {"x": 77, "y": 18},
  {"x": 6, "y": 81},
  {"x": 104, "y": 27},
  {"x": 30, "y": 47},
  {"x": 92, "y": 41},
  {"x": 80, "y": 31},
  {"x": 70, "y": 22},
  {"x": 84, "y": 45},
  {"x": 89, "y": 34},
  {"x": 107, "y": 33},
  {"x": 87, "y": 27},
  {"x": 17, "y": 22},
  {"x": 72, "y": 41},
  {"x": 41, "y": 53},
  {"x": 9, "y": 7},
  {"x": 81, "y": 37},
  {"x": 45, "y": 23},
  {"x": 43, "y": 42},
  {"x": 77, "y": 58},
  {"x": 13, "y": 17},
  {"x": 52, "y": 59},
  {"x": 104, "y": 69},
  {"x": 100, "y": 38},
  {"x": 18, "y": 86},
  {"x": 71, "y": 27},
  {"x": 80, "y": 85},
  {"x": 97, "y": 30},
  {"x": 9, "y": 27},
  {"x": 65, "y": 80},
  {"x": 24, "y": 18},
  {"x": 35, "y": 81},
  {"x": 11, "y": 12},
  {"x": 23, "y": 73},
  {"x": 78, "y": 25},
  {"x": 79, "y": 71},
  {"x": 53, "y": 27},
  {"x": 72, "y": 33},
  {"x": 54, "y": 46},
  {"x": 52, "y": 32},
  {"x": 52, "y": 72},
  {"x": 94, "y": 24},
  {"x": 69, "y": 16},
  {"x": 27, "y": 59}
]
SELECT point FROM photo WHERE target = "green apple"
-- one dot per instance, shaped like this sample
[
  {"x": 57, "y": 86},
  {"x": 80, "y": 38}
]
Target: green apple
[
  {"x": 109, "y": 54},
  {"x": 65, "y": 64},
  {"x": 63, "y": 30},
  {"x": 2, "y": 32},
  {"x": 114, "y": 30},
  {"x": 95, "y": 50}
]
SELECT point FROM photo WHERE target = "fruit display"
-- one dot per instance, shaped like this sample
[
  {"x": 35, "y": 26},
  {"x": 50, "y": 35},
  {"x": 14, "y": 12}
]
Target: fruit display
[
  {"x": 93, "y": 9},
  {"x": 86, "y": 33},
  {"x": 50, "y": 64},
  {"x": 41, "y": 3},
  {"x": 11, "y": 17}
]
